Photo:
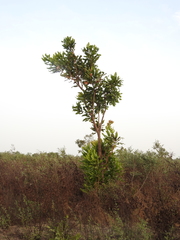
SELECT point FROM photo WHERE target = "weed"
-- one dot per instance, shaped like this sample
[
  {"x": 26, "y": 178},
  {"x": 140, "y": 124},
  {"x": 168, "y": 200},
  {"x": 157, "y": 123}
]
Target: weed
[
  {"x": 27, "y": 213},
  {"x": 5, "y": 219},
  {"x": 63, "y": 231}
]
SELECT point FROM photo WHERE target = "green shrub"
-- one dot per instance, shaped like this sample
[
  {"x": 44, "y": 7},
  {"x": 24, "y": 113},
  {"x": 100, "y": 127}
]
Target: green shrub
[{"x": 99, "y": 171}]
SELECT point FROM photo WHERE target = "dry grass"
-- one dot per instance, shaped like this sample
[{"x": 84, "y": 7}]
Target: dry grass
[{"x": 43, "y": 190}]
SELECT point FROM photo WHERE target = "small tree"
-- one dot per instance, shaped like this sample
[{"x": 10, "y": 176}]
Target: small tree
[{"x": 97, "y": 90}]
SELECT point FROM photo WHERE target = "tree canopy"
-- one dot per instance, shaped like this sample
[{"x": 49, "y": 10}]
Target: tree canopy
[{"x": 98, "y": 90}]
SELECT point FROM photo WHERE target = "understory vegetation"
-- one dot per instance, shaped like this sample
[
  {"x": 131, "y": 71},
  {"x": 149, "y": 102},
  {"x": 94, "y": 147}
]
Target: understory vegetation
[{"x": 42, "y": 197}]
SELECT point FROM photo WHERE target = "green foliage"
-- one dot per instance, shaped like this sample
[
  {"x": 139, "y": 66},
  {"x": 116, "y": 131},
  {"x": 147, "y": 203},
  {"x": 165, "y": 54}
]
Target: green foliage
[
  {"x": 5, "y": 219},
  {"x": 97, "y": 96},
  {"x": 97, "y": 90},
  {"x": 123, "y": 231},
  {"x": 63, "y": 231},
  {"x": 28, "y": 212},
  {"x": 139, "y": 163},
  {"x": 161, "y": 152},
  {"x": 91, "y": 165},
  {"x": 87, "y": 139},
  {"x": 97, "y": 170},
  {"x": 140, "y": 231}
]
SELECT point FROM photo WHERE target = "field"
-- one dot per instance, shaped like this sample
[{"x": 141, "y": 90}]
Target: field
[{"x": 42, "y": 198}]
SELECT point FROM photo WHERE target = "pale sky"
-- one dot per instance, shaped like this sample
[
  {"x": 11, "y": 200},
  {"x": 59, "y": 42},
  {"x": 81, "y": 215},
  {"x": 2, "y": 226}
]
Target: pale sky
[{"x": 138, "y": 39}]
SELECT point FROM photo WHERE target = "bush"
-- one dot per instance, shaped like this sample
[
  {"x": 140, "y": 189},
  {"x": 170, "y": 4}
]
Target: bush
[{"x": 99, "y": 171}]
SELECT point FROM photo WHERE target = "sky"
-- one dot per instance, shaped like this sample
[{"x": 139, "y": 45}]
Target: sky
[{"x": 138, "y": 39}]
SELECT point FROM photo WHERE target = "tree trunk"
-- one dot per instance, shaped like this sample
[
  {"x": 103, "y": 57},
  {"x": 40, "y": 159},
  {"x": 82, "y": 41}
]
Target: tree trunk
[{"x": 99, "y": 144}]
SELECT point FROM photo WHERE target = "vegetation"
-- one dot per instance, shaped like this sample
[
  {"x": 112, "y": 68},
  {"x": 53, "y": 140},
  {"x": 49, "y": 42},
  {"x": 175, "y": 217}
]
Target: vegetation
[
  {"x": 106, "y": 193},
  {"x": 41, "y": 197},
  {"x": 100, "y": 171},
  {"x": 97, "y": 92}
]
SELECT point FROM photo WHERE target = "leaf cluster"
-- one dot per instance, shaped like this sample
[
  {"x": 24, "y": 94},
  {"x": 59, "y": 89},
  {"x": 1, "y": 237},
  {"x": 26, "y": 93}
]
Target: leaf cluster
[
  {"x": 97, "y": 90},
  {"x": 99, "y": 171}
]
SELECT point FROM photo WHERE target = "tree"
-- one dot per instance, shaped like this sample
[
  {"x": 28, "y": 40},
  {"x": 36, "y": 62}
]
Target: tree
[{"x": 97, "y": 90}]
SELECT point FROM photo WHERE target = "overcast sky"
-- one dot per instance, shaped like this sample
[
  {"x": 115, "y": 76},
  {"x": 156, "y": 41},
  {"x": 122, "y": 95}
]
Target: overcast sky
[{"x": 138, "y": 39}]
